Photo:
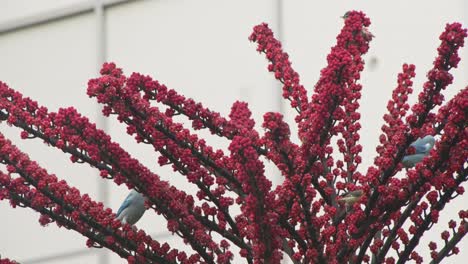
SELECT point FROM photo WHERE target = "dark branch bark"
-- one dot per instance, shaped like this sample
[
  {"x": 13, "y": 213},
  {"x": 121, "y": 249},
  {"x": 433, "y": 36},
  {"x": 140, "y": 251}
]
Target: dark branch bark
[
  {"x": 445, "y": 251},
  {"x": 446, "y": 197}
]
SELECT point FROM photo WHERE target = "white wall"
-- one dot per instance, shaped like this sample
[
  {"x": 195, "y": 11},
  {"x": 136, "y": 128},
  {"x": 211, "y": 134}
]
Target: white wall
[
  {"x": 200, "y": 48},
  {"x": 14, "y": 9}
]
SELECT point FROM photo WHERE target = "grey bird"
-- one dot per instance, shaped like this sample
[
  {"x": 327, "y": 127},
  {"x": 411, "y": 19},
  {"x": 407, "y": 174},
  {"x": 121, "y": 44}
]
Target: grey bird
[
  {"x": 132, "y": 208},
  {"x": 422, "y": 147}
]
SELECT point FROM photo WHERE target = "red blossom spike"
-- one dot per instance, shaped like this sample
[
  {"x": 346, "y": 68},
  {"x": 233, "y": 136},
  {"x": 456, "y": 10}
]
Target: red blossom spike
[
  {"x": 337, "y": 80},
  {"x": 200, "y": 116},
  {"x": 57, "y": 202},
  {"x": 7, "y": 261},
  {"x": 281, "y": 67}
]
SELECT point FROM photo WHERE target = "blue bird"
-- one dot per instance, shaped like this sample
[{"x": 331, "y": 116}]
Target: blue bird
[
  {"x": 132, "y": 209},
  {"x": 422, "y": 147}
]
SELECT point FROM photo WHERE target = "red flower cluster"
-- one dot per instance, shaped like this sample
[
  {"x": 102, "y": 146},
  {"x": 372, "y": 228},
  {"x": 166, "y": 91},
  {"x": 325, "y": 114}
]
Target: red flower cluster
[
  {"x": 7, "y": 261},
  {"x": 336, "y": 91},
  {"x": 395, "y": 128},
  {"x": 280, "y": 66},
  {"x": 237, "y": 212},
  {"x": 60, "y": 203}
]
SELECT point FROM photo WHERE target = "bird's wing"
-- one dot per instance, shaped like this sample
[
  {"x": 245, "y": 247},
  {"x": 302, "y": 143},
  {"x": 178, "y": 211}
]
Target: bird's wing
[
  {"x": 421, "y": 148},
  {"x": 411, "y": 160},
  {"x": 418, "y": 145},
  {"x": 125, "y": 203},
  {"x": 423, "y": 145}
]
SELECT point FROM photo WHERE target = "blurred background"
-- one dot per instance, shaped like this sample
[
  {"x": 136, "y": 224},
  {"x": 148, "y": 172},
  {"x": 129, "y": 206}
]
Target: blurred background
[{"x": 49, "y": 49}]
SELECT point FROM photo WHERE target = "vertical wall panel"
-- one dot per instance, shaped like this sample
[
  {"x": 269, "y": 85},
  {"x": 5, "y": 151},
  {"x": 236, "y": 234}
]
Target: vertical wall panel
[
  {"x": 17, "y": 9},
  {"x": 50, "y": 63}
]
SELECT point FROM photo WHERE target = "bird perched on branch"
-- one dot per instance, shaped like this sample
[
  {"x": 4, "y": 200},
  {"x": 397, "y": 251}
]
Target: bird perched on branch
[
  {"x": 422, "y": 148},
  {"x": 350, "y": 198},
  {"x": 132, "y": 209}
]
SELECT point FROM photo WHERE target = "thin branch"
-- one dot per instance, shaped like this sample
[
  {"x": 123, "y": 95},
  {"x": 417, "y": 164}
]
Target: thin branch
[
  {"x": 424, "y": 226},
  {"x": 445, "y": 251}
]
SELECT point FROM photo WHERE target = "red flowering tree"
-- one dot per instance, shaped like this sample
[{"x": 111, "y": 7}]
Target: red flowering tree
[{"x": 305, "y": 218}]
